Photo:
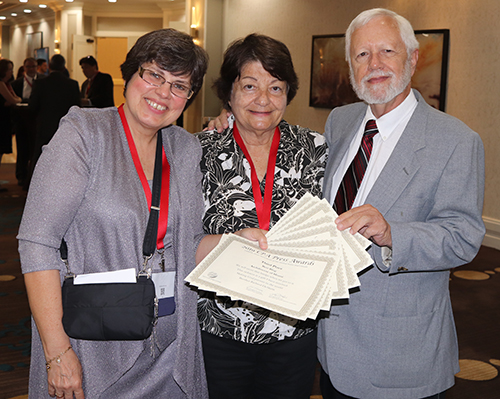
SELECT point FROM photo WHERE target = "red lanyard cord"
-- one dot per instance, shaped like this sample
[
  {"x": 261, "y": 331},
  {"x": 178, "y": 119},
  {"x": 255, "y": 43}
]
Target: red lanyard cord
[
  {"x": 165, "y": 181},
  {"x": 263, "y": 207}
]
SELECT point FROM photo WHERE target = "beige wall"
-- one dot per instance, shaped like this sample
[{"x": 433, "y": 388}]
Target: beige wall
[
  {"x": 473, "y": 75},
  {"x": 19, "y": 43}
]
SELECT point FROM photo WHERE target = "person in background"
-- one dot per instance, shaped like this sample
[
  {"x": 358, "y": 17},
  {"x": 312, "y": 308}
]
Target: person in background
[
  {"x": 42, "y": 66},
  {"x": 51, "y": 98},
  {"x": 7, "y": 99},
  {"x": 252, "y": 352},
  {"x": 419, "y": 202},
  {"x": 97, "y": 90},
  {"x": 20, "y": 72},
  {"x": 91, "y": 187},
  {"x": 25, "y": 119}
]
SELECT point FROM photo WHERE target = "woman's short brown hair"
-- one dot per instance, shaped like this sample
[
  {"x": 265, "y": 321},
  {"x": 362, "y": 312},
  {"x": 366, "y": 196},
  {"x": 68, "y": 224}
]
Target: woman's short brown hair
[
  {"x": 172, "y": 51},
  {"x": 271, "y": 53}
]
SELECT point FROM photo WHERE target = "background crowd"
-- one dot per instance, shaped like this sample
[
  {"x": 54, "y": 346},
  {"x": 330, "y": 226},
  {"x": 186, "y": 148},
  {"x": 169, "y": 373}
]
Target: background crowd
[{"x": 33, "y": 102}]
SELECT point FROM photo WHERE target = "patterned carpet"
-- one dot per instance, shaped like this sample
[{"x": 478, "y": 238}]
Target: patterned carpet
[
  {"x": 15, "y": 330},
  {"x": 475, "y": 291}
]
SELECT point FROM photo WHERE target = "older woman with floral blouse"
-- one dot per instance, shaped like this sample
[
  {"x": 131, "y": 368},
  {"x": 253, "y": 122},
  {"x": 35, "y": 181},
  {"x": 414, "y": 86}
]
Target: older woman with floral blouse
[{"x": 254, "y": 172}]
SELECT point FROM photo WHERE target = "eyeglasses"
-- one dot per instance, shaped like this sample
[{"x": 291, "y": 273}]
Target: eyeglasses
[{"x": 155, "y": 79}]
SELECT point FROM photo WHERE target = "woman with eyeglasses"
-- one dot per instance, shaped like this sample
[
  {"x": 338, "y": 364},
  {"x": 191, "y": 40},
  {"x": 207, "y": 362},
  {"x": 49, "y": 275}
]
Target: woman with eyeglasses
[{"x": 91, "y": 187}]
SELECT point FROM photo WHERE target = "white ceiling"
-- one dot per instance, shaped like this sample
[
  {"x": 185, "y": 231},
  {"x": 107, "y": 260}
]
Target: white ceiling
[{"x": 14, "y": 6}]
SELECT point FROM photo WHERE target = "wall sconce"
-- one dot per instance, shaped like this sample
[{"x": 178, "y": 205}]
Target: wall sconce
[
  {"x": 194, "y": 25},
  {"x": 57, "y": 42}
]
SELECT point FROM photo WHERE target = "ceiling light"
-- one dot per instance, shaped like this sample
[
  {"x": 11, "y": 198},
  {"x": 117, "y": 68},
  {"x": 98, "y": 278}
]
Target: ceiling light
[
  {"x": 112, "y": 1},
  {"x": 69, "y": 1},
  {"x": 42, "y": 5},
  {"x": 3, "y": 17},
  {"x": 14, "y": 14},
  {"x": 27, "y": 11},
  {"x": 23, "y": 1}
]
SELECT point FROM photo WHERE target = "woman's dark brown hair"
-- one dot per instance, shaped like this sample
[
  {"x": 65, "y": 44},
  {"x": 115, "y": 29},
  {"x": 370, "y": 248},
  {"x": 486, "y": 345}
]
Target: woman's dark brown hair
[
  {"x": 271, "y": 53},
  {"x": 4, "y": 66},
  {"x": 172, "y": 51}
]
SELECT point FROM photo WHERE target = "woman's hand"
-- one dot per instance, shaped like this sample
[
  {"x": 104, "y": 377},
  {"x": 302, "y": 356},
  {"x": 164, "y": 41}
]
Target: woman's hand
[
  {"x": 210, "y": 241},
  {"x": 254, "y": 235},
  {"x": 44, "y": 295},
  {"x": 65, "y": 377}
]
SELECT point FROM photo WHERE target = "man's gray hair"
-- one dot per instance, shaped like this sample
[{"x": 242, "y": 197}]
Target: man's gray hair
[{"x": 405, "y": 29}]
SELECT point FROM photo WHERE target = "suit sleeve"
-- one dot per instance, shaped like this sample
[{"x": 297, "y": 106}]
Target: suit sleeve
[
  {"x": 17, "y": 86},
  {"x": 102, "y": 92},
  {"x": 450, "y": 232},
  {"x": 34, "y": 102},
  {"x": 76, "y": 94}
]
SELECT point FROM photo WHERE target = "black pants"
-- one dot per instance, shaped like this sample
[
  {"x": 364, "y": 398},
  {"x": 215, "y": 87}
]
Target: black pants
[
  {"x": 281, "y": 370},
  {"x": 328, "y": 391}
]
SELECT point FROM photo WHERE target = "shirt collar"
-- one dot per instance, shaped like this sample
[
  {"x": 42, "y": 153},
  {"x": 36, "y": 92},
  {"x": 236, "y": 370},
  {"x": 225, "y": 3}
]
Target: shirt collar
[
  {"x": 387, "y": 123},
  {"x": 93, "y": 77}
]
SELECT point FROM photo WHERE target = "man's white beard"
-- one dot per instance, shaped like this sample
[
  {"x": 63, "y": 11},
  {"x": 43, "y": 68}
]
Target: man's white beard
[{"x": 376, "y": 97}]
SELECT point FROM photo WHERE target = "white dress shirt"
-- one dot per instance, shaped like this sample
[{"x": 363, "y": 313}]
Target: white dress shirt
[
  {"x": 390, "y": 127},
  {"x": 27, "y": 83}
]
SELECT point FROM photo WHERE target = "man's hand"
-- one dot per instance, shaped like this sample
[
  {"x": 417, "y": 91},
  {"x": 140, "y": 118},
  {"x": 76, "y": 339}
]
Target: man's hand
[
  {"x": 369, "y": 222},
  {"x": 220, "y": 123}
]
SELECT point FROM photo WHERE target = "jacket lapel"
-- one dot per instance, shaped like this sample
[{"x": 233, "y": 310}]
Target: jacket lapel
[
  {"x": 403, "y": 163},
  {"x": 338, "y": 144}
]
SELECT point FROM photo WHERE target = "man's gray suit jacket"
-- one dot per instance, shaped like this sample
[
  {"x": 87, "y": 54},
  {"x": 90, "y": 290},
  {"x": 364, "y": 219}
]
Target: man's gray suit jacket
[{"x": 396, "y": 338}]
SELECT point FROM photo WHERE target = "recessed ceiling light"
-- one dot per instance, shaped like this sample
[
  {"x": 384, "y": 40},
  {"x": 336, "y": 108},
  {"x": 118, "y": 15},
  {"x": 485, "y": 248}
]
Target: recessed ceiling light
[
  {"x": 23, "y": 1},
  {"x": 27, "y": 11},
  {"x": 14, "y": 14},
  {"x": 69, "y": 1},
  {"x": 3, "y": 17},
  {"x": 42, "y": 5}
]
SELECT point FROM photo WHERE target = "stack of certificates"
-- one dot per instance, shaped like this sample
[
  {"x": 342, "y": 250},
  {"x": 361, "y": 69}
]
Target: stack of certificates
[{"x": 308, "y": 263}]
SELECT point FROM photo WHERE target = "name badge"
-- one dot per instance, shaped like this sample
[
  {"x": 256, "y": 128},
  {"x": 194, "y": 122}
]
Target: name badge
[{"x": 165, "y": 292}]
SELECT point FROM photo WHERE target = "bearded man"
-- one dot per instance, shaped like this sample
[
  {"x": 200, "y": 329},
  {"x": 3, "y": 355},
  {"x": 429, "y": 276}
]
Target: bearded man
[{"x": 411, "y": 179}]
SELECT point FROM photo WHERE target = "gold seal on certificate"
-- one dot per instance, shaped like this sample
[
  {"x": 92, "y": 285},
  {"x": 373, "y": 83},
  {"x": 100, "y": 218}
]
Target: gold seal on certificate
[{"x": 308, "y": 263}]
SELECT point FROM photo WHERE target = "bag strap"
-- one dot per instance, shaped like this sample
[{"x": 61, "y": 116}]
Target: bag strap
[{"x": 149, "y": 244}]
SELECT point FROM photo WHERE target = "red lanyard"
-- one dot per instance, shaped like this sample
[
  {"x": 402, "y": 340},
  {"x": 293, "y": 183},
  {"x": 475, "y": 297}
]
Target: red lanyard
[
  {"x": 263, "y": 207},
  {"x": 165, "y": 177},
  {"x": 91, "y": 80},
  {"x": 27, "y": 81}
]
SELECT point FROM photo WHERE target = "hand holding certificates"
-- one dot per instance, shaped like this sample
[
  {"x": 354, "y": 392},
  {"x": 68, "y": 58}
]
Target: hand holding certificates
[{"x": 308, "y": 263}]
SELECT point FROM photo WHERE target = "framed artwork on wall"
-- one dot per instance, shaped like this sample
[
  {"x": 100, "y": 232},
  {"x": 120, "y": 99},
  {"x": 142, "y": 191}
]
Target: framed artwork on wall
[
  {"x": 42, "y": 53},
  {"x": 34, "y": 40},
  {"x": 330, "y": 86}
]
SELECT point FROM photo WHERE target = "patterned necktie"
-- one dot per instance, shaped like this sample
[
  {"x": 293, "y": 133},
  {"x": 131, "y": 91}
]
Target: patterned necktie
[{"x": 354, "y": 174}]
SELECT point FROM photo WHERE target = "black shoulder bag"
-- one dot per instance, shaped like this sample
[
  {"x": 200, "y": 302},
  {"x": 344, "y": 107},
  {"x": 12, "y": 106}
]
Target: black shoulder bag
[{"x": 116, "y": 311}]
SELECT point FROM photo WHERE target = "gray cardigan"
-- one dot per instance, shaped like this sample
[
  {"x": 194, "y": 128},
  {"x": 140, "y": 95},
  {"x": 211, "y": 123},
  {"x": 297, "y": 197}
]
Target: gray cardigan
[{"x": 86, "y": 189}]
